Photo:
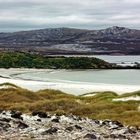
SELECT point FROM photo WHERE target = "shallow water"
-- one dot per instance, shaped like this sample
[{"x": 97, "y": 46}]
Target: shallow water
[
  {"x": 128, "y": 59},
  {"x": 74, "y": 82},
  {"x": 121, "y": 77}
]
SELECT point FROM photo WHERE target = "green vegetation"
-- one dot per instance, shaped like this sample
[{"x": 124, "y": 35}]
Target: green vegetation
[
  {"x": 137, "y": 93},
  {"x": 99, "y": 106},
  {"x": 26, "y": 60},
  {"x": 9, "y": 85}
]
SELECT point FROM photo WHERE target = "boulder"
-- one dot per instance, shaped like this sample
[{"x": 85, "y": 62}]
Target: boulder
[
  {"x": 39, "y": 120},
  {"x": 90, "y": 136},
  {"x": 50, "y": 131},
  {"x": 119, "y": 136},
  {"x": 5, "y": 119},
  {"x": 106, "y": 122},
  {"x": 4, "y": 126},
  {"x": 1, "y": 111},
  {"x": 16, "y": 114},
  {"x": 40, "y": 114},
  {"x": 117, "y": 123},
  {"x": 56, "y": 120},
  {"x": 96, "y": 121},
  {"x": 70, "y": 128},
  {"x": 131, "y": 130},
  {"x": 22, "y": 125},
  {"x": 78, "y": 127}
]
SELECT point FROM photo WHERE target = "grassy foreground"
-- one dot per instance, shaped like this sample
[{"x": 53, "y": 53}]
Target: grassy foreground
[{"x": 99, "y": 106}]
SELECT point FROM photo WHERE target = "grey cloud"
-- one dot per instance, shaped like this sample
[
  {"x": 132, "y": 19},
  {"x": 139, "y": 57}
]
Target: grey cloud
[{"x": 24, "y": 14}]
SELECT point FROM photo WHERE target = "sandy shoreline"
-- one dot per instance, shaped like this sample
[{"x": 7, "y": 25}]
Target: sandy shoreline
[{"x": 71, "y": 88}]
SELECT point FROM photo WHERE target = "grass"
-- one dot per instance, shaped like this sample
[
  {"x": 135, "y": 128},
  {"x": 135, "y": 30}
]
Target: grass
[
  {"x": 99, "y": 106},
  {"x": 9, "y": 84},
  {"x": 137, "y": 93}
]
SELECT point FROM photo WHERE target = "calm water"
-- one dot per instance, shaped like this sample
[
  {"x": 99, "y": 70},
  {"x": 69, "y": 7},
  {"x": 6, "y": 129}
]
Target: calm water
[
  {"x": 129, "y": 59},
  {"x": 124, "y": 77}
]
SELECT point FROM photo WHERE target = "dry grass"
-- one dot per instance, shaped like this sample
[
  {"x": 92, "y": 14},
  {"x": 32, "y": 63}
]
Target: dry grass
[{"x": 100, "y": 106}]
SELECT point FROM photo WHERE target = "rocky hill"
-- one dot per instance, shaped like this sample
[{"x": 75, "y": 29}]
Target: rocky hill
[{"x": 113, "y": 40}]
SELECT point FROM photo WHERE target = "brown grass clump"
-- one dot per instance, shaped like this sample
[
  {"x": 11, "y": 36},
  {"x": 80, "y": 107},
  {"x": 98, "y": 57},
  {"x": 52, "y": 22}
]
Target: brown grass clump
[{"x": 99, "y": 106}]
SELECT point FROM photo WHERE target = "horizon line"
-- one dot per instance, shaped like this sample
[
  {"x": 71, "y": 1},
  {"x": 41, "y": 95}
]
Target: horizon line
[{"x": 63, "y": 27}]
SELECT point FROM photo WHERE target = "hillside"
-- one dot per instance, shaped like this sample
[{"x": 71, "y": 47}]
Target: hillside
[{"x": 113, "y": 40}]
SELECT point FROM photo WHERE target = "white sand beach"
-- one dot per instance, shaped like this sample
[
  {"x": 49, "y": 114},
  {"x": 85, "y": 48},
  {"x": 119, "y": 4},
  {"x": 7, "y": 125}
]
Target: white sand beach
[{"x": 71, "y": 88}]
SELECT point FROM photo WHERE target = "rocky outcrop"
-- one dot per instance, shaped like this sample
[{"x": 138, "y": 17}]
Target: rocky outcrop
[{"x": 62, "y": 127}]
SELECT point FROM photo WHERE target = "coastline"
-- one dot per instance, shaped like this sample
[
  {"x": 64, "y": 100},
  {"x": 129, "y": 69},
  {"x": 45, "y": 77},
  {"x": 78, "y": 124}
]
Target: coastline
[{"x": 70, "y": 88}]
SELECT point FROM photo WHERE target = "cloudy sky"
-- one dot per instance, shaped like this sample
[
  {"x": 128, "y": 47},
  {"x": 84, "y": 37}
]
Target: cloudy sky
[{"x": 92, "y": 14}]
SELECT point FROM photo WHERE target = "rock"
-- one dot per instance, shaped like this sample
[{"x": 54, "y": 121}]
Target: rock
[
  {"x": 114, "y": 127},
  {"x": 22, "y": 125},
  {"x": 56, "y": 120},
  {"x": 35, "y": 113},
  {"x": 40, "y": 114},
  {"x": 70, "y": 128},
  {"x": 106, "y": 136},
  {"x": 16, "y": 114},
  {"x": 90, "y": 136},
  {"x": 76, "y": 118},
  {"x": 50, "y": 131},
  {"x": 78, "y": 127},
  {"x": 39, "y": 120},
  {"x": 96, "y": 121},
  {"x": 1, "y": 111},
  {"x": 63, "y": 127},
  {"x": 131, "y": 130},
  {"x": 117, "y": 123},
  {"x": 79, "y": 118},
  {"x": 106, "y": 122},
  {"x": 112, "y": 124},
  {"x": 119, "y": 136},
  {"x": 73, "y": 117},
  {"x": 5, "y": 119},
  {"x": 4, "y": 126},
  {"x": 14, "y": 111},
  {"x": 59, "y": 114}
]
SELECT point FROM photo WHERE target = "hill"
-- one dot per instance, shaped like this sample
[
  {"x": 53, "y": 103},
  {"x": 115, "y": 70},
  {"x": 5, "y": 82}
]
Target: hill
[{"x": 113, "y": 40}]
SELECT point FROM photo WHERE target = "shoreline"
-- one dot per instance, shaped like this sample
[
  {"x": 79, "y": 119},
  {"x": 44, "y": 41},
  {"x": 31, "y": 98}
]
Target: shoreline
[{"x": 70, "y": 88}]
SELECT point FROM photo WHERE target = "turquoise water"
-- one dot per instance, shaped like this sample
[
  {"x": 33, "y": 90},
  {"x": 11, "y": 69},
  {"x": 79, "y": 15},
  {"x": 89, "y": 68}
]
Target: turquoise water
[
  {"x": 128, "y": 59},
  {"x": 123, "y": 77}
]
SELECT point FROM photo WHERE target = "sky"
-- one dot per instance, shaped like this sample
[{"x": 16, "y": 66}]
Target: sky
[{"x": 18, "y": 15}]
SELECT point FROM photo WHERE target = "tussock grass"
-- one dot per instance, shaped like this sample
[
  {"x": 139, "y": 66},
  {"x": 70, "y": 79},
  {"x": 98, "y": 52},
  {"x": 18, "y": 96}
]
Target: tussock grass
[
  {"x": 9, "y": 84},
  {"x": 53, "y": 94},
  {"x": 136, "y": 93},
  {"x": 99, "y": 106}
]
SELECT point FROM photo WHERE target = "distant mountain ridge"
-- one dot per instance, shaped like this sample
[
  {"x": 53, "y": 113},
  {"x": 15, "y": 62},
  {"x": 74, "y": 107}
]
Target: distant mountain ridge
[{"x": 113, "y": 40}]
